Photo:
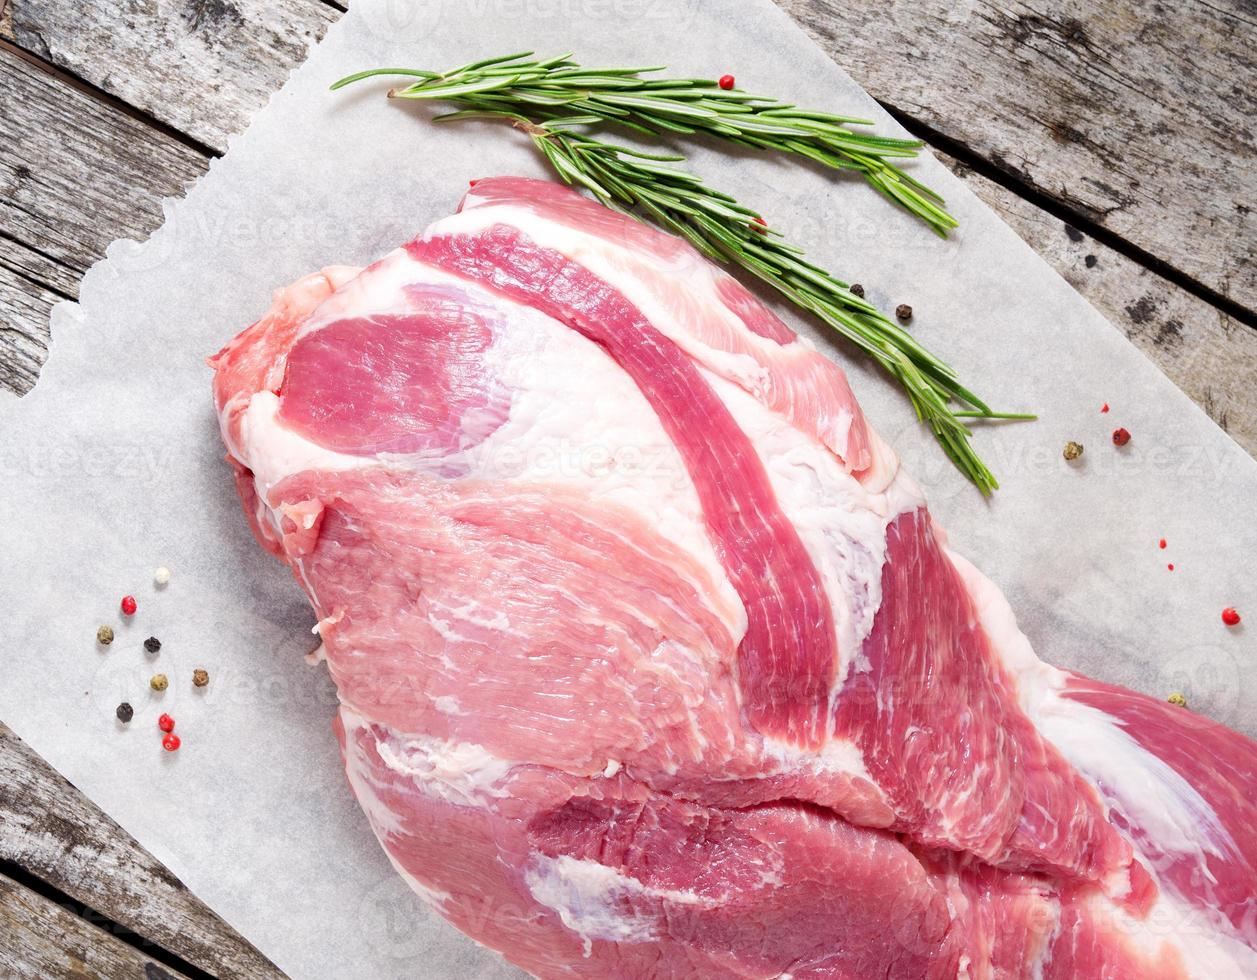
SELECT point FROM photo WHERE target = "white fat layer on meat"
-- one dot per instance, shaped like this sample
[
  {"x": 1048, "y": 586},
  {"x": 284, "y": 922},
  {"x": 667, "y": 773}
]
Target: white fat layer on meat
[
  {"x": 636, "y": 273},
  {"x": 274, "y": 452},
  {"x": 838, "y": 756},
  {"x": 1032, "y": 678},
  {"x": 594, "y": 901},
  {"x": 1152, "y": 795},
  {"x": 457, "y": 772},
  {"x": 1171, "y": 813},
  {"x": 841, "y": 523},
  {"x": 623, "y": 265}
]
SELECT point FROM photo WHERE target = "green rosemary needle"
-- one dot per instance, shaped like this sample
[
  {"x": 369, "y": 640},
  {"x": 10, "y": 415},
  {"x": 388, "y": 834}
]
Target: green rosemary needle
[
  {"x": 724, "y": 230},
  {"x": 558, "y": 89},
  {"x": 645, "y": 185}
]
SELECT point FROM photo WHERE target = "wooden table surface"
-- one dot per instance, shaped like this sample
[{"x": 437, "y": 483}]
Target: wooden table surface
[{"x": 1116, "y": 138}]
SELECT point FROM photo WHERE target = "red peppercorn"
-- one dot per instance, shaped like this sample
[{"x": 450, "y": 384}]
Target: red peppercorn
[
  {"x": 726, "y": 82},
  {"x": 1120, "y": 437},
  {"x": 170, "y": 743},
  {"x": 128, "y": 605},
  {"x": 1162, "y": 543},
  {"x": 166, "y": 723},
  {"x": 473, "y": 182},
  {"x": 1170, "y": 566},
  {"x": 1104, "y": 409},
  {"x": 1230, "y": 616}
]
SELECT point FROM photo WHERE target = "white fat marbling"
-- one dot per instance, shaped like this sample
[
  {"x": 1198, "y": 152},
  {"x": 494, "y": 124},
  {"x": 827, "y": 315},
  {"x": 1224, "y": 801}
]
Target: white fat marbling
[{"x": 592, "y": 899}]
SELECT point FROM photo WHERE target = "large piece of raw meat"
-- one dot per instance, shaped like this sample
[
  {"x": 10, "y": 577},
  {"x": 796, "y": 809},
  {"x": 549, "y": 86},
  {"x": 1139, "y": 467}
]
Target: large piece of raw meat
[{"x": 651, "y": 661}]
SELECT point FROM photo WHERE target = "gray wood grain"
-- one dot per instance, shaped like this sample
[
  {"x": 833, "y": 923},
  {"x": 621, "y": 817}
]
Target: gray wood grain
[
  {"x": 75, "y": 174},
  {"x": 201, "y": 66},
  {"x": 57, "y": 834},
  {"x": 1137, "y": 114},
  {"x": 39, "y": 939}
]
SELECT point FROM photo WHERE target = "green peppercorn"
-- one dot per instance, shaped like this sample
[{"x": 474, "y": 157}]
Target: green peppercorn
[
  {"x": 1072, "y": 450},
  {"x": 1177, "y": 699},
  {"x": 104, "y": 635},
  {"x": 159, "y": 682}
]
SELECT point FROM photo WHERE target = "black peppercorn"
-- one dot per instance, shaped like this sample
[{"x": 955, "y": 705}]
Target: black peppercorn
[
  {"x": 152, "y": 644},
  {"x": 903, "y": 311},
  {"x": 125, "y": 712},
  {"x": 857, "y": 290}
]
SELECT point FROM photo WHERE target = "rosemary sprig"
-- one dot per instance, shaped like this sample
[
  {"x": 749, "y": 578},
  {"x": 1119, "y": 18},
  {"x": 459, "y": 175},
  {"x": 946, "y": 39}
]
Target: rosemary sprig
[
  {"x": 729, "y": 232},
  {"x": 638, "y": 183},
  {"x": 558, "y": 89}
]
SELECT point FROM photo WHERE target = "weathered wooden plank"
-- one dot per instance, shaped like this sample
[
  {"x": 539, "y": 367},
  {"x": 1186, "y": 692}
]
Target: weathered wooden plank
[
  {"x": 75, "y": 174},
  {"x": 201, "y": 66},
  {"x": 42, "y": 941},
  {"x": 55, "y": 833},
  {"x": 79, "y": 173},
  {"x": 1135, "y": 114},
  {"x": 25, "y": 303},
  {"x": 1206, "y": 353}
]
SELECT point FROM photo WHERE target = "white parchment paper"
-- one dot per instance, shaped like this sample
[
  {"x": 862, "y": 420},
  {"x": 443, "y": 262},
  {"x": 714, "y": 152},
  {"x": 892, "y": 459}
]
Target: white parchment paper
[{"x": 113, "y": 464}]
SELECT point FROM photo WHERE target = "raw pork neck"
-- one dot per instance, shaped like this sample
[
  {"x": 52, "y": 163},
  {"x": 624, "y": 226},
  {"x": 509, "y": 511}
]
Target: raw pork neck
[{"x": 651, "y": 660}]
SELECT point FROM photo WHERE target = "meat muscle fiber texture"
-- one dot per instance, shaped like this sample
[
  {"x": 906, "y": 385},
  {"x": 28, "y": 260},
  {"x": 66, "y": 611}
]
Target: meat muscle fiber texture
[{"x": 651, "y": 660}]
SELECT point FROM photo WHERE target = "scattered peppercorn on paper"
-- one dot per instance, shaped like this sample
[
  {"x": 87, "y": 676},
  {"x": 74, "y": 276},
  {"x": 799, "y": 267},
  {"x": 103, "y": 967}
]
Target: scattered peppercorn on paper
[{"x": 113, "y": 465}]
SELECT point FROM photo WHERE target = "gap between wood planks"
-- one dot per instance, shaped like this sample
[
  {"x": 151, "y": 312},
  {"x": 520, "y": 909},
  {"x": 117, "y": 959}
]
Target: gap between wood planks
[
  {"x": 34, "y": 883},
  {"x": 86, "y": 87},
  {"x": 1093, "y": 229}
]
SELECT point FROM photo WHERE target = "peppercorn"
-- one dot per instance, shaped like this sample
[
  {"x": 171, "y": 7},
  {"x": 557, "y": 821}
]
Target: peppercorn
[
  {"x": 104, "y": 635},
  {"x": 152, "y": 644},
  {"x": 726, "y": 82},
  {"x": 166, "y": 723},
  {"x": 1177, "y": 699},
  {"x": 904, "y": 312},
  {"x": 125, "y": 712},
  {"x": 1161, "y": 544},
  {"x": 1231, "y": 616},
  {"x": 1072, "y": 450},
  {"x": 1104, "y": 409},
  {"x": 161, "y": 576},
  {"x": 1120, "y": 437},
  {"x": 170, "y": 743},
  {"x": 159, "y": 682},
  {"x": 128, "y": 605},
  {"x": 200, "y": 677},
  {"x": 857, "y": 290}
]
